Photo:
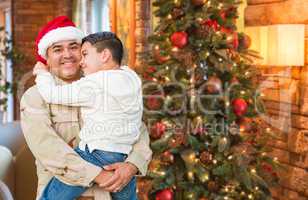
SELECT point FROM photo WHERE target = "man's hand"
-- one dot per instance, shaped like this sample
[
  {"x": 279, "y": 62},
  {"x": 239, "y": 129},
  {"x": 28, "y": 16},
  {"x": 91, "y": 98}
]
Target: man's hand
[
  {"x": 39, "y": 67},
  {"x": 103, "y": 177},
  {"x": 123, "y": 173}
]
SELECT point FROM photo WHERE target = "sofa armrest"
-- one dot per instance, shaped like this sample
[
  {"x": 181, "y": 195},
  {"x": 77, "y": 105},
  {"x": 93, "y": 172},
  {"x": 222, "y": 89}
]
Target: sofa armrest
[
  {"x": 11, "y": 136},
  {"x": 7, "y": 168},
  {"x": 6, "y": 159},
  {"x": 5, "y": 193}
]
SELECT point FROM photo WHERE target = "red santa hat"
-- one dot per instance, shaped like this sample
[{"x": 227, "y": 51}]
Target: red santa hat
[{"x": 59, "y": 29}]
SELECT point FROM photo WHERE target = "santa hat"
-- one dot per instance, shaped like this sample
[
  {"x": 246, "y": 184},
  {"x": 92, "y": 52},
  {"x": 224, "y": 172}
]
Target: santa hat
[{"x": 59, "y": 29}]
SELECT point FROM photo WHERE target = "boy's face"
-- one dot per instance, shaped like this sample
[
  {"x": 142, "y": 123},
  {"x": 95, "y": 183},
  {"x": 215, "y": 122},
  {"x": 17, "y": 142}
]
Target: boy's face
[{"x": 91, "y": 60}]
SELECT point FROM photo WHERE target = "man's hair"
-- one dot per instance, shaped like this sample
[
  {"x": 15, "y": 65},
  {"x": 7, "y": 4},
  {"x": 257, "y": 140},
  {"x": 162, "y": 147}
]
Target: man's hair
[{"x": 106, "y": 40}]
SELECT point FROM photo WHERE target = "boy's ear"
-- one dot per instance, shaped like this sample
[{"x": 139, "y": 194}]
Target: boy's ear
[{"x": 105, "y": 55}]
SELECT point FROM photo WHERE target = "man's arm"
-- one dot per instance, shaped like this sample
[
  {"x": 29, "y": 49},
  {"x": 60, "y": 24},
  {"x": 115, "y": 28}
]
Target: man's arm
[
  {"x": 141, "y": 153},
  {"x": 137, "y": 160},
  {"x": 47, "y": 147}
]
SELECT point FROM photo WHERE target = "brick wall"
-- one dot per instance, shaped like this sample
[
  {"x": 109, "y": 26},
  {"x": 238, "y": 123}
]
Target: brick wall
[
  {"x": 286, "y": 98},
  {"x": 28, "y": 16},
  {"x": 143, "y": 28}
]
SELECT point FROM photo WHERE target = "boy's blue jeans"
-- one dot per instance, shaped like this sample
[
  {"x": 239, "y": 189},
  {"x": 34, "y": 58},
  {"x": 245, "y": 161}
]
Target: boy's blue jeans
[{"x": 57, "y": 190}]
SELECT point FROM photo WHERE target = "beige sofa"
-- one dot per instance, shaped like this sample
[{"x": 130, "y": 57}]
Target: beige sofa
[{"x": 17, "y": 168}]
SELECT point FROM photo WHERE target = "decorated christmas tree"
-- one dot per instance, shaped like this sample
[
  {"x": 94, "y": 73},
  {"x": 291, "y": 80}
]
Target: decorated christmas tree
[{"x": 202, "y": 106}]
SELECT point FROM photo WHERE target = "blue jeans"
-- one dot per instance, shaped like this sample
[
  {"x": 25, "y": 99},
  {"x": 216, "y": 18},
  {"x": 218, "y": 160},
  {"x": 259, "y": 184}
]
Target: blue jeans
[{"x": 57, "y": 190}]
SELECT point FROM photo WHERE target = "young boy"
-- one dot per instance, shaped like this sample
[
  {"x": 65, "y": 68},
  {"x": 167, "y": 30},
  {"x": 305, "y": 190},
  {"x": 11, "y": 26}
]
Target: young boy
[{"x": 110, "y": 97}]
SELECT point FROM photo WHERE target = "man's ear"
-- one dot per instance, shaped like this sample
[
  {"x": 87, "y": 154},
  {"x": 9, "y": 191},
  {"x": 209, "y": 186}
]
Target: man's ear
[{"x": 47, "y": 62}]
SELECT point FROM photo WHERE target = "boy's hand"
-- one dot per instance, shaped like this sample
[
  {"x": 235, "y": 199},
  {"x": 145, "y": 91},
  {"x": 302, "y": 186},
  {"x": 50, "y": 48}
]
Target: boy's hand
[{"x": 39, "y": 67}]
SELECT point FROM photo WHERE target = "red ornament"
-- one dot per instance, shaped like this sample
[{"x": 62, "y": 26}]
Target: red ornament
[
  {"x": 223, "y": 15},
  {"x": 167, "y": 157},
  {"x": 147, "y": 77},
  {"x": 244, "y": 41},
  {"x": 275, "y": 174},
  {"x": 150, "y": 69},
  {"x": 165, "y": 194},
  {"x": 234, "y": 81},
  {"x": 198, "y": 131},
  {"x": 154, "y": 103},
  {"x": 239, "y": 107},
  {"x": 226, "y": 30},
  {"x": 148, "y": 73},
  {"x": 213, "y": 85},
  {"x": 157, "y": 130},
  {"x": 267, "y": 167},
  {"x": 234, "y": 42},
  {"x": 211, "y": 24},
  {"x": 179, "y": 39}
]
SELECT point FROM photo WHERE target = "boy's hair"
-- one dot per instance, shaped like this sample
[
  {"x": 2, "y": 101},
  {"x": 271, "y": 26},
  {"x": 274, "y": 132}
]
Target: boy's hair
[{"x": 106, "y": 40}]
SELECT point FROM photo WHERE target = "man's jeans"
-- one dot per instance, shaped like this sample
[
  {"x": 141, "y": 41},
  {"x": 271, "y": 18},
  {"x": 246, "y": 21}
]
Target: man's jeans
[{"x": 56, "y": 190}]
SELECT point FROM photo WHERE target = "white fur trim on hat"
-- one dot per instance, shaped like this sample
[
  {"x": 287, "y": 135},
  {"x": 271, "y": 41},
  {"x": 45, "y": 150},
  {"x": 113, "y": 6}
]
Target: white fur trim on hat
[{"x": 57, "y": 35}]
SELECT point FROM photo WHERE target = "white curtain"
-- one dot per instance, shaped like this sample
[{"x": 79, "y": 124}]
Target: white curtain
[
  {"x": 91, "y": 15},
  {"x": 100, "y": 16},
  {"x": 80, "y": 16}
]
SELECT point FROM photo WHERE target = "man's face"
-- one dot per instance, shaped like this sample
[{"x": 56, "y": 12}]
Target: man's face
[
  {"x": 63, "y": 59},
  {"x": 92, "y": 61}
]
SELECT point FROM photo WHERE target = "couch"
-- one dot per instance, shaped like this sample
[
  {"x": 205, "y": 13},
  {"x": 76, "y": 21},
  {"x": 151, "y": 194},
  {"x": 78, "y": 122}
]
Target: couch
[{"x": 17, "y": 166}]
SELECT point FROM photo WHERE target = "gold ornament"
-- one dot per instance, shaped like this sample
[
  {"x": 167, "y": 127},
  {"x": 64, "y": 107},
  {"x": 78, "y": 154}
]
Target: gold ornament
[
  {"x": 190, "y": 176},
  {"x": 212, "y": 186},
  {"x": 189, "y": 156},
  {"x": 198, "y": 2},
  {"x": 206, "y": 157},
  {"x": 177, "y": 13},
  {"x": 246, "y": 125},
  {"x": 177, "y": 3},
  {"x": 190, "y": 195},
  {"x": 154, "y": 164},
  {"x": 203, "y": 175}
]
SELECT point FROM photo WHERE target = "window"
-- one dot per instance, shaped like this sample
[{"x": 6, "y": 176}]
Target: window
[
  {"x": 7, "y": 111},
  {"x": 91, "y": 15},
  {"x": 117, "y": 16}
]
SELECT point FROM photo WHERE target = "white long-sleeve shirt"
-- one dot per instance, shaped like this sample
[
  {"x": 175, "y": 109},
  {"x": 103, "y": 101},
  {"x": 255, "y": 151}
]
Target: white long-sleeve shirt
[{"x": 111, "y": 106}]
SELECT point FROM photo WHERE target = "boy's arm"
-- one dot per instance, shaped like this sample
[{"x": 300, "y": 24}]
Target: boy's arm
[
  {"x": 48, "y": 148},
  {"x": 78, "y": 93}
]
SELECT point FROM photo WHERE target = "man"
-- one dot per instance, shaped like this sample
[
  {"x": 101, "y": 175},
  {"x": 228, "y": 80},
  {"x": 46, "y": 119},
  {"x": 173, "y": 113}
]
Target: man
[{"x": 51, "y": 130}]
